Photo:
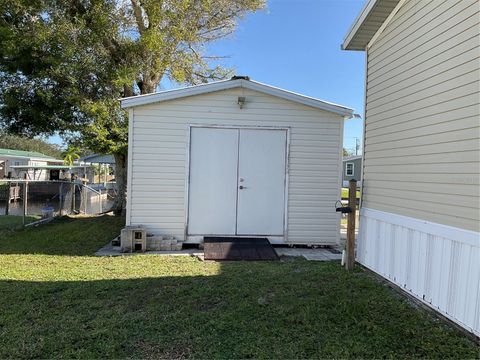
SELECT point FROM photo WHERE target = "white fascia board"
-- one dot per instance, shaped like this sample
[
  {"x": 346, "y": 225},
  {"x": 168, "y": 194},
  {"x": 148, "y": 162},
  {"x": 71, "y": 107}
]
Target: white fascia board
[
  {"x": 177, "y": 93},
  {"x": 358, "y": 22},
  {"x": 299, "y": 98},
  {"x": 46, "y": 159},
  {"x": 30, "y": 158},
  {"x": 230, "y": 84},
  {"x": 354, "y": 157}
]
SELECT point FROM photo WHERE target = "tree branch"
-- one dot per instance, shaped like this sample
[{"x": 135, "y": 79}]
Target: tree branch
[{"x": 138, "y": 13}]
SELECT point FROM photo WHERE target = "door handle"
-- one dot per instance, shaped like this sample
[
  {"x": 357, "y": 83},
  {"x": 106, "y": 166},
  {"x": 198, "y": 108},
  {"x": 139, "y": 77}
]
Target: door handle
[{"x": 241, "y": 187}]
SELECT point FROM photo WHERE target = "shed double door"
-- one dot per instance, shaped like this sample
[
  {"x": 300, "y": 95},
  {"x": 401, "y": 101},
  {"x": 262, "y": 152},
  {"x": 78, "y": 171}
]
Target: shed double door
[{"x": 237, "y": 181}]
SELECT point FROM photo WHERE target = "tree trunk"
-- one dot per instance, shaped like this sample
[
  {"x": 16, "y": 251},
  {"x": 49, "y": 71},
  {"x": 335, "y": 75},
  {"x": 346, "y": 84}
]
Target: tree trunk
[{"x": 121, "y": 183}]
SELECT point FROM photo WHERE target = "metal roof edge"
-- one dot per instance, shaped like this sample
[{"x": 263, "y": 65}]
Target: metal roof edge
[
  {"x": 178, "y": 93},
  {"x": 352, "y": 157},
  {"x": 229, "y": 84},
  {"x": 299, "y": 98},
  {"x": 26, "y": 157}
]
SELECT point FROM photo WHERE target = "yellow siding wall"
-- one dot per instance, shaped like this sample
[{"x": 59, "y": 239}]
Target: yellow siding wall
[{"x": 422, "y": 137}]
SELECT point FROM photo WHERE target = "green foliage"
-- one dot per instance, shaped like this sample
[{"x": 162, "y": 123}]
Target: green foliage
[
  {"x": 64, "y": 63},
  {"x": 59, "y": 301},
  {"x": 15, "y": 142},
  {"x": 71, "y": 155}
]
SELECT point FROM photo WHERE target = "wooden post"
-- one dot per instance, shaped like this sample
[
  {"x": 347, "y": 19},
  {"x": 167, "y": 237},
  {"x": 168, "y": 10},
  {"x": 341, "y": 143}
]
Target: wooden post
[{"x": 352, "y": 203}]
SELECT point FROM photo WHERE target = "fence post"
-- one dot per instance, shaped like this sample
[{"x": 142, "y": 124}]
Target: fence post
[
  {"x": 85, "y": 197},
  {"x": 61, "y": 199},
  {"x": 7, "y": 204},
  {"x": 352, "y": 204},
  {"x": 73, "y": 197},
  {"x": 25, "y": 205},
  {"x": 105, "y": 168}
]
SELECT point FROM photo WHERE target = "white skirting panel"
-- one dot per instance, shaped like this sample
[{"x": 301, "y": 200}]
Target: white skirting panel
[{"x": 438, "y": 264}]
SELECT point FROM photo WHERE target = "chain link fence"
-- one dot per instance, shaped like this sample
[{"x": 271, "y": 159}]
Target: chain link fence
[{"x": 36, "y": 200}]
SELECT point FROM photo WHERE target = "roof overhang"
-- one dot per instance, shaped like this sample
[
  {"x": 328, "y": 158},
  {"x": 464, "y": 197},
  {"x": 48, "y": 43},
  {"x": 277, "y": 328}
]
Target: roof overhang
[
  {"x": 367, "y": 23},
  {"x": 48, "y": 167},
  {"x": 230, "y": 84},
  {"x": 353, "y": 157},
  {"x": 98, "y": 159},
  {"x": 32, "y": 158}
]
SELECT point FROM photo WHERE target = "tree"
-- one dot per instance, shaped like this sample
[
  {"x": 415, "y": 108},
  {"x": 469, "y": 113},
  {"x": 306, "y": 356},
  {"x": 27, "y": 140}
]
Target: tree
[
  {"x": 65, "y": 63},
  {"x": 71, "y": 155},
  {"x": 15, "y": 142}
]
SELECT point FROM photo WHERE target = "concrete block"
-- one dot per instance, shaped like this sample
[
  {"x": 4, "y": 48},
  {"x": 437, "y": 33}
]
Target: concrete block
[
  {"x": 164, "y": 247},
  {"x": 166, "y": 243}
]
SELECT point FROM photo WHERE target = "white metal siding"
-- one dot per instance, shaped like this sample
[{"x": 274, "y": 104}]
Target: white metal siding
[
  {"x": 438, "y": 264},
  {"x": 158, "y": 157},
  {"x": 422, "y": 140}
]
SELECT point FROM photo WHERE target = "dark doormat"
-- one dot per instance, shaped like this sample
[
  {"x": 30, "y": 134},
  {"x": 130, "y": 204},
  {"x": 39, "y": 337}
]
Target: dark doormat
[{"x": 220, "y": 248}]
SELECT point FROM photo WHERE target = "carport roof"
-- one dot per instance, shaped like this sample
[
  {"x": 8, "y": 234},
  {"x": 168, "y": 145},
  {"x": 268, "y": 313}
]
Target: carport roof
[
  {"x": 26, "y": 154},
  {"x": 234, "y": 83}
]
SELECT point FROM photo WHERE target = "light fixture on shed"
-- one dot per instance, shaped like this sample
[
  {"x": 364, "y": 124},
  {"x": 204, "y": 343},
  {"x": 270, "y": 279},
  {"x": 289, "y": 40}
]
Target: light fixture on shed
[{"x": 241, "y": 101}]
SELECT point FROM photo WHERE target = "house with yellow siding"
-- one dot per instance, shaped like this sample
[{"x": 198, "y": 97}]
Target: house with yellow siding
[{"x": 420, "y": 211}]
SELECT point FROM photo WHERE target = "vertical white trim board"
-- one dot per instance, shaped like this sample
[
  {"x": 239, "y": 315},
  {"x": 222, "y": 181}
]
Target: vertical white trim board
[
  {"x": 129, "y": 166},
  {"x": 438, "y": 264}
]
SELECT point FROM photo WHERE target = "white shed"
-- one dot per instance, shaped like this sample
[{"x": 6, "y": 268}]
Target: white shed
[{"x": 235, "y": 158}]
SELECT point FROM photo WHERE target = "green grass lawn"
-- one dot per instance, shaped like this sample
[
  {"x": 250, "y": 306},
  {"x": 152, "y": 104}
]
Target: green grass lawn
[
  {"x": 57, "y": 300},
  {"x": 12, "y": 222}
]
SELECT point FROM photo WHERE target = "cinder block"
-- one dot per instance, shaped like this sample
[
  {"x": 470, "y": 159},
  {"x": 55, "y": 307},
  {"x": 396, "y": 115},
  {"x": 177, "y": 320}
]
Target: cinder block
[
  {"x": 131, "y": 237},
  {"x": 164, "y": 247},
  {"x": 153, "y": 247},
  {"x": 166, "y": 242}
]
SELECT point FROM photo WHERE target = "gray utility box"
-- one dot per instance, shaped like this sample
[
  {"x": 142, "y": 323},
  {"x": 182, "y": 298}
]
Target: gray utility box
[{"x": 133, "y": 238}]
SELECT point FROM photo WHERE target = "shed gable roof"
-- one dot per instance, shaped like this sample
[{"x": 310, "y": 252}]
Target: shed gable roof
[
  {"x": 230, "y": 84},
  {"x": 368, "y": 22}
]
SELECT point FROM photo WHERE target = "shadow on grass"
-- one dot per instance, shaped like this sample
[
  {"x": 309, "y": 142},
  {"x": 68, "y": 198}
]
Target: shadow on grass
[
  {"x": 80, "y": 306},
  {"x": 78, "y": 236},
  {"x": 294, "y": 309}
]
